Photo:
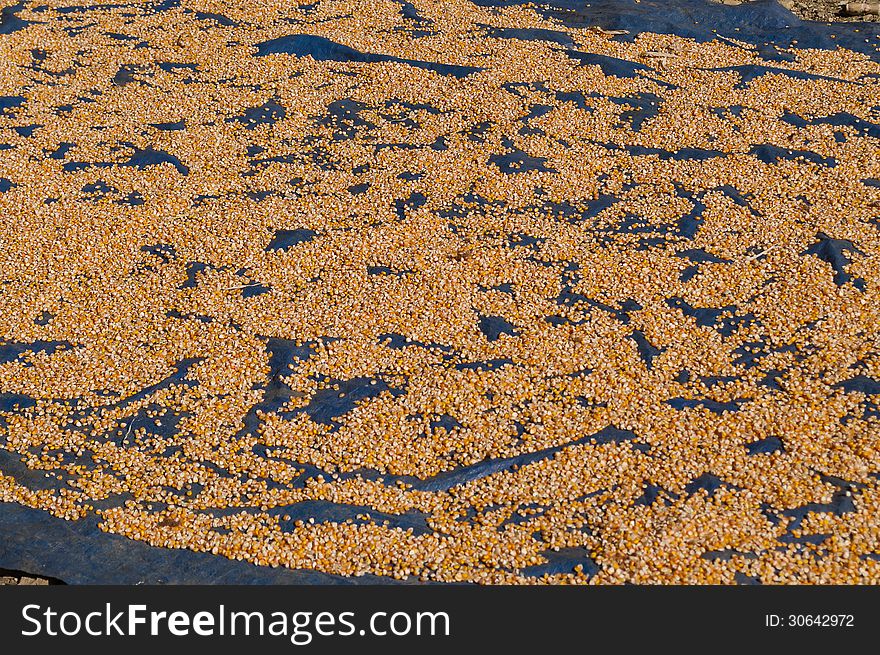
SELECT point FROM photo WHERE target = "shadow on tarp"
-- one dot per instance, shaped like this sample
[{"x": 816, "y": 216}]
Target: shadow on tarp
[
  {"x": 77, "y": 552},
  {"x": 323, "y": 49}
]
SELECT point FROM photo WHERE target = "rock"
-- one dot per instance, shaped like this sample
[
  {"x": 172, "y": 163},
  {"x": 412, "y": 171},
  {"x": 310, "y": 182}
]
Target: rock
[
  {"x": 861, "y": 8},
  {"x": 25, "y": 580}
]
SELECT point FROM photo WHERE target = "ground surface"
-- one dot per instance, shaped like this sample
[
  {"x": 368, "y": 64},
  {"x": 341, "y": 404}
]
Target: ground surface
[
  {"x": 20, "y": 578},
  {"x": 832, "y": 10},
  {"x": 447, "y": 291}
]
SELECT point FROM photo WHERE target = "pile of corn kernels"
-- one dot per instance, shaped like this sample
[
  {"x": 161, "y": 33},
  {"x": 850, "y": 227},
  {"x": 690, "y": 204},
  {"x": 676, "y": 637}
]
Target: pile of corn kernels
[{"x": 441, "y": 291}]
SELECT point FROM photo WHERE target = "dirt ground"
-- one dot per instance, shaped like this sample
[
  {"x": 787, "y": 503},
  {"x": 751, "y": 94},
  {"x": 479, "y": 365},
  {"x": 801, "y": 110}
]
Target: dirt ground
[
  {"x": 8, "y": 577},
  {"x": 832, "y": 10},
  {"x": 837, "y": 11}
]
